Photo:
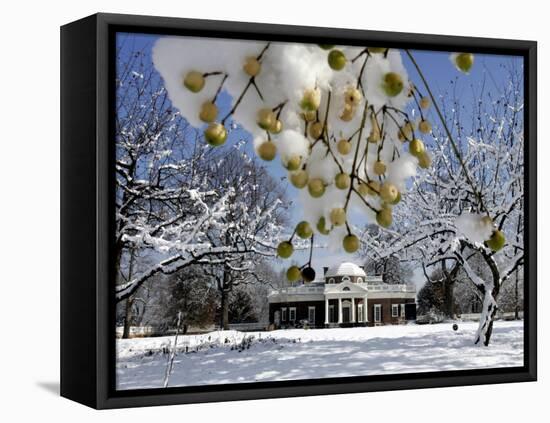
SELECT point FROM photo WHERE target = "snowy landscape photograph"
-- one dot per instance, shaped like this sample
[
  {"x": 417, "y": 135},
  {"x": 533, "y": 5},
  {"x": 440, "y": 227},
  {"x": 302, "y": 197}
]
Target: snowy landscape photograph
[{"x": 291, "y": 211}]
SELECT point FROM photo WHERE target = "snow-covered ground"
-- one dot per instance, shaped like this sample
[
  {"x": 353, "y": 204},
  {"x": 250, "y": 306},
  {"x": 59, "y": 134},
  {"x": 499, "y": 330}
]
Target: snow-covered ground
[{"x": 222, "y": 357}]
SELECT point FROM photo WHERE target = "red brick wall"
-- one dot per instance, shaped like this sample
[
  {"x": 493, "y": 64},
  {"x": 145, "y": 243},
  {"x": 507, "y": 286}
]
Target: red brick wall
[
  {"x": 386, "y": 309},
  {"x": 302, "y": 310}
]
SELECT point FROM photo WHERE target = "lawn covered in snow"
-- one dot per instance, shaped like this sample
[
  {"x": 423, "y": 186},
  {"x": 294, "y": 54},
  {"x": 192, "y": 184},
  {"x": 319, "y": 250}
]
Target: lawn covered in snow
[{"x": 223, "y": 357}]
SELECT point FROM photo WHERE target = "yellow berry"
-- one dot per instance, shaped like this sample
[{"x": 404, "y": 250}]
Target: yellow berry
[
  {"x": 351, "y": 243},
  {"x": 215, "y": 134},
  {"x": 336, "y": 60},
  {"x": 392, "y": 84},
  {"x": 194, "y": 81},
  {"x": 343, "y": 147},
  {"x": 299, "y": 179},
  {"x": 285, "y": 249},
  {"x": 311, "y": 100},
  {"x": 303, "y": 230},
  {"x": 497, "y": 240},
  {"x": 342, "y": 181},
  {"x": 425, "y": 127},
  {"x": 424, "y": 102},
  {"x": 338, "y": 216},
  {"x": 353, "y": 96},
  {"x": 379, "y": 168},
  {"x": 464, "y": 61},
  {"x": 267, "y": 151},
  {"x": 407, "y": 130},
  {"x": 424, "y": 160},
  {"x": 310, "y": 116},
  {"x": 376, "y": 50},
  {"x": 266, "y": 118},
  {"x": 276, "y": 127},
  {"x": 388, "y": 192},
  {"x": 316, "y": 187},
  {"x": 293, "y": 273},
  {"x": 293, "y": 163},
  {"x": 384, "y": 217},
  {"x": 322, "y": 226},
  {"x": 397, "y": 199},
  {"x": 209, "y": 112},
  {"x": 251, "y": 66},
  {"x": 348, "y": 113},
  {"x": 373, "y": 137},
  {"x": 315, "y": 130},
  {"x": 416, "y": 147}
]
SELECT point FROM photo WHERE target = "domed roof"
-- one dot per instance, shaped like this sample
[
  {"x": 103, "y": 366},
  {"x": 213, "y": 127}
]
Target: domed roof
[{"x": 345, "y": 269}]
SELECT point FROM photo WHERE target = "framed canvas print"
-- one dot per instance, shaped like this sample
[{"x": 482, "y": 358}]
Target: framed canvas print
[{"x": 256, "y": 211}]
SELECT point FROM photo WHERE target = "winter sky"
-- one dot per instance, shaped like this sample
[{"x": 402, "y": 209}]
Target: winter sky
[{"x": 489, "y": 72}]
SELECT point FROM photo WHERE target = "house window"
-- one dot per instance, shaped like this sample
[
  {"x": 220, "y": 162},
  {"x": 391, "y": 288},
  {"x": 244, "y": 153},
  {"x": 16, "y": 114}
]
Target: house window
[
  {"x": 395, "y": 310},
  {"x": 403, "y": 311},
  {"x": 292, "y": 314},
  {"x": 377, "y": 313},
  {"x": 331, "y": 280},
  {"x": 346, "y": 288},
  {"x": 360, "y": 313},
  {"x": 311, "y": 314},
  {"x": 283, "y": 314},
  {"x": 346, "y": 279},
  {"x": 359, "y": 280}
]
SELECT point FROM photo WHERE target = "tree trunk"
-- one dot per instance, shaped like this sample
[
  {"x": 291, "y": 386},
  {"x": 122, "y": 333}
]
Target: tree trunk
[
  {"x": 225, "y": 314},
  {"x": 130, "y": 299},
  {"x": 486, "y": 319},
  {"x": 448, "y": 287},
  {"x": 489, "y": 308},
  {"x": 516, "y": 292},
  {"x": 224, "y": 310},
  {"x": 226, "y": 289},
  {"x": 489, "y": 290},
  {"x": 128, "y": 317}
]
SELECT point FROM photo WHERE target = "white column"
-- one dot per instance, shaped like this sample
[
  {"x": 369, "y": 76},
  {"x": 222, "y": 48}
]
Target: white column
[
  {"x": 352, "y": 309},
  {"x": 326, "y": 311},
  {"x": 365, "y": 310},
  {"x": 339, "y": 310}
]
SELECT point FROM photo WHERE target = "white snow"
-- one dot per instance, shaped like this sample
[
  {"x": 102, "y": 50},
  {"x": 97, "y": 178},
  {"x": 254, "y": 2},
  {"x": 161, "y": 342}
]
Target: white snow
[
  {"x": 289, "y": 70},
  {"x": 473, "y": 227},
  {"x": 315, "y": 353}
]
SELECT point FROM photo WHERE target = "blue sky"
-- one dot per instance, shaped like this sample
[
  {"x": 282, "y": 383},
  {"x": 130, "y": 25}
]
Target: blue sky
[{"x": 489, "y": 70}]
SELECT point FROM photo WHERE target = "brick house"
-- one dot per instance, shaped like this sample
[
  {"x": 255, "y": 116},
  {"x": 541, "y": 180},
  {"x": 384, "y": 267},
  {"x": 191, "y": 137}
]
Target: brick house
[{"x": 339, "y": 299}]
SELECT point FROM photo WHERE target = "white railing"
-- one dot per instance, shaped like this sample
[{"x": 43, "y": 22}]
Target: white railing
[
  {"x": 299, "y": 290},
  {"x": 392, "y": 288},
  {"x": 304, "y": 289}
]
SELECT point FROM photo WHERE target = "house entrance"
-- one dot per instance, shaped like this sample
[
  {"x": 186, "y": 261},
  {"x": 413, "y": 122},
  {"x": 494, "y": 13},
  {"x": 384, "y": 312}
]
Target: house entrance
[{"x": 346, "y": 314}]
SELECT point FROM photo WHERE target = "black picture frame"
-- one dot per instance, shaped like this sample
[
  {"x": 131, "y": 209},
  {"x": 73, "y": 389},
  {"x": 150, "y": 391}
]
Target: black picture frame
[{"x": 87, "y": 217}]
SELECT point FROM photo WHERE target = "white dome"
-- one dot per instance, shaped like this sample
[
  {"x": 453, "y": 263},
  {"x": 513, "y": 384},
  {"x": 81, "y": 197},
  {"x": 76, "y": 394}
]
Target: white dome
[{"x": 345, "y": 269}]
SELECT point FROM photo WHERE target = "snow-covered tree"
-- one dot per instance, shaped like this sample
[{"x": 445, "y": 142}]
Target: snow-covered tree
[
  {"x": 168, "y": 203},
  {"x": 470, "y": 203},
  {"x": 241, "y": 307},
  {"x": 392, "y": 268},
  {"x": 192, "y": 297}
]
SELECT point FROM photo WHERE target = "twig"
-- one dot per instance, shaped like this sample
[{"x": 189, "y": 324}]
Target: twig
[{"x": 448, "y": 132}]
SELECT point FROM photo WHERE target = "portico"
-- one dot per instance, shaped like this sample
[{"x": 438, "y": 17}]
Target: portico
[{"x": 351, "y": 300}]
